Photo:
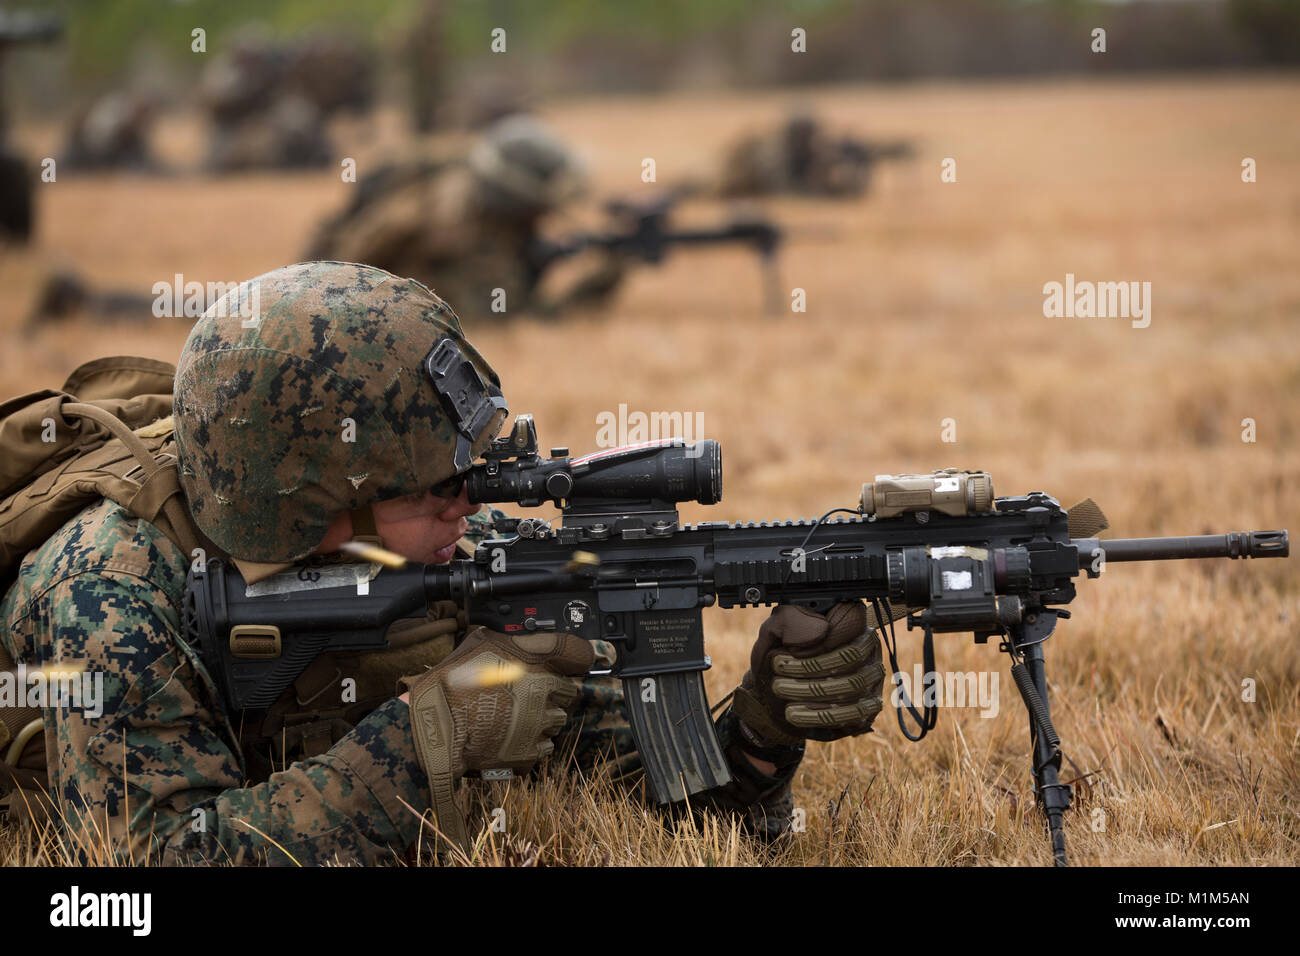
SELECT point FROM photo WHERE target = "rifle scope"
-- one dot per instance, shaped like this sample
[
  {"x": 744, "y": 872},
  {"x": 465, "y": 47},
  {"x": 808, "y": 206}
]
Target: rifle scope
[{"x": 664, "y": 471}]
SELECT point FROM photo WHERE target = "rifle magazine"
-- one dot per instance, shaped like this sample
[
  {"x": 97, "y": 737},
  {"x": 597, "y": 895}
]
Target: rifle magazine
[{"x": 675, "y": 736}]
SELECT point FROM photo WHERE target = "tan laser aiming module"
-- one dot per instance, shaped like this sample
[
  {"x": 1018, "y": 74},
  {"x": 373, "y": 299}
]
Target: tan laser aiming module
[{"x": 952, "y": 491}]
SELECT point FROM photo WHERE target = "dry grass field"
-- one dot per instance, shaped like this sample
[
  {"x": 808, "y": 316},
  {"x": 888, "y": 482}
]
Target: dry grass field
[{"x": 924, "y": 303}]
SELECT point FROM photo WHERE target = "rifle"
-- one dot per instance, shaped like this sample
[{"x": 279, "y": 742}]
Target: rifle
[
  {"x": 857, "y": 159},
  {"x": 644, "y": 233},
  {"x": 622, "y": 567},
  {"x": 867, "y": 152}
]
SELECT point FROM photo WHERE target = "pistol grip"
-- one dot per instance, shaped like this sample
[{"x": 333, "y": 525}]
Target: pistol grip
[{"x": 674, "y": 733}]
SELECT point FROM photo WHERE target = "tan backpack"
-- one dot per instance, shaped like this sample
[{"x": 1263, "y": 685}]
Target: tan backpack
[{"x": 107, "y": 433}]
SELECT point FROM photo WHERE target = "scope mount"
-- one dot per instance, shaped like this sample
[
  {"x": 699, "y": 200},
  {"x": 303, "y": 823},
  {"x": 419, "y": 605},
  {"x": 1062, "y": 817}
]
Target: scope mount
[{"x": 520, "y": 443}]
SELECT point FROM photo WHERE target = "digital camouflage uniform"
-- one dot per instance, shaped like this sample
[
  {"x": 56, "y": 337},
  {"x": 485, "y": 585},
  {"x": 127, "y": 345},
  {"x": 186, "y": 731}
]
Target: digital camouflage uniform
[
  {"x": 165, "y": 772},
  {"x": 106, "y": 592}
]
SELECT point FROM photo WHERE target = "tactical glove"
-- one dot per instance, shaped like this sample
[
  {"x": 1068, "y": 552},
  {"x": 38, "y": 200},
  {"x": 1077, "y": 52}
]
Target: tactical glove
[
  {"x": 491, "y": 705},
  {"x": 811, "y": 676}
]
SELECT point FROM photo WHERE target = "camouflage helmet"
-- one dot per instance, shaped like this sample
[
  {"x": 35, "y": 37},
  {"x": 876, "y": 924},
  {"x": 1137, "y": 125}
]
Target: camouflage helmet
[
  {"x": 319, "y": 388},
  {"x": 521, "y": 165}
]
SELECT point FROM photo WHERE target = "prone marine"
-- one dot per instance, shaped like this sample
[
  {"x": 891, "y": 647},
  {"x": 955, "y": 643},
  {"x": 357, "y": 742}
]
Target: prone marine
[{"x": 285, "y": 436}]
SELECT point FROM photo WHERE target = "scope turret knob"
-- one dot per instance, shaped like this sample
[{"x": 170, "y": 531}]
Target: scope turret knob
[
  {"x": 559, "y": 452},
  {"x": 559, "y": 484}
]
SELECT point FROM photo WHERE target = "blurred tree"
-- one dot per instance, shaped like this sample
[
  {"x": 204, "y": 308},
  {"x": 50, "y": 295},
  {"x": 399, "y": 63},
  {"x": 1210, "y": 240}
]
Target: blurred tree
[
  {"x": 425, "y": 63},
  {"x": 1274, "y": 25},
  {"x": 582, "y": 44}
]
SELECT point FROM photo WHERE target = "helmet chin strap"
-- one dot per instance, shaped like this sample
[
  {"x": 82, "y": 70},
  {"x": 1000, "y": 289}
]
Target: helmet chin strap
[{"x": 363, "y": 526}]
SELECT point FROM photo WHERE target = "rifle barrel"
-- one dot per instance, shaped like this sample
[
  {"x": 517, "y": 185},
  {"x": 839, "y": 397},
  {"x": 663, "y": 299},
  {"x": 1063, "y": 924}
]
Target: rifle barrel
[{"x": 1234, "y": 544}]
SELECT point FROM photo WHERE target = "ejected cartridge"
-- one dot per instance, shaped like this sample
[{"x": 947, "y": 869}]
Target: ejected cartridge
[{"x": 952, "y": 491}]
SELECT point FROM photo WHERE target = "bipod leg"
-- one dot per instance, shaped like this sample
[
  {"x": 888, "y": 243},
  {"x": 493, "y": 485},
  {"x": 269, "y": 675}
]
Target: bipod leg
[{"x": 1052, "y": 795}]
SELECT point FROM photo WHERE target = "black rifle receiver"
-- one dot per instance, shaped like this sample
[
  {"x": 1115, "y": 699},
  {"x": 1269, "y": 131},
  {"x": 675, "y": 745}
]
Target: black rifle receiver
[
  {"x": 643, "y": 232},
  {"x": 622, "y": 568}
]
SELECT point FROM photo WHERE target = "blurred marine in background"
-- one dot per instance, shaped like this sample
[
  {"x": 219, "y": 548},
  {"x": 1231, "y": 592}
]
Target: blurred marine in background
[
  {"x": 800, "y": 157},
  {"x": 470, "y": 226},
  {"x": 112, "y": 134}
]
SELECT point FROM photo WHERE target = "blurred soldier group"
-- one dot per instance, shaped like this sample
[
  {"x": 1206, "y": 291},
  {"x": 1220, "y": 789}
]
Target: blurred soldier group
[
  {"x": 469, "y": 224},
  {"x": 268, "y": 103}
]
